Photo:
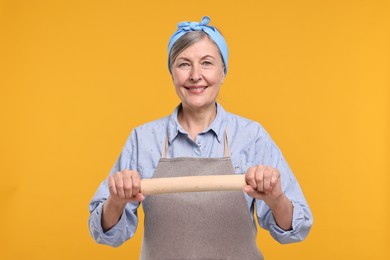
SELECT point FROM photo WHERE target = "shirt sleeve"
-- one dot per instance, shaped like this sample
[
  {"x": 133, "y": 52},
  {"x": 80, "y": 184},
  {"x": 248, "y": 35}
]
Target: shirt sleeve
[
  {"x": 302, "y": 216},
  {"x": 127, "y": 224}
]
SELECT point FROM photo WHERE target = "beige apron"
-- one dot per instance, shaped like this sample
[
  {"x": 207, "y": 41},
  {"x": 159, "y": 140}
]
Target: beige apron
[{"x": 198, "y": 225}]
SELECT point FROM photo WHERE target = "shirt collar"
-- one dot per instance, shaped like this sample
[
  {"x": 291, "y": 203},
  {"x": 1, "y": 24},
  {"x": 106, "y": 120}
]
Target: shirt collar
[{"x": 217, "y": 126}]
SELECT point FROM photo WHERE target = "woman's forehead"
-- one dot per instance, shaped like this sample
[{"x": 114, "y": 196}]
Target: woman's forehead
[{"x": 202, "y": 48}]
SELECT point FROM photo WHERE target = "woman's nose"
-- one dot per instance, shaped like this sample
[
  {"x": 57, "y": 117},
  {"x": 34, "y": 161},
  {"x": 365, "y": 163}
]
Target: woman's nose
[{"x": 196, "y": 73}]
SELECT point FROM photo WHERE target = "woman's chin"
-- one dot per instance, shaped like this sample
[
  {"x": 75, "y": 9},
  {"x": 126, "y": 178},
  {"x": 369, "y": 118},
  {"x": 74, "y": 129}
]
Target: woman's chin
[{"x": 198, "y": 104}]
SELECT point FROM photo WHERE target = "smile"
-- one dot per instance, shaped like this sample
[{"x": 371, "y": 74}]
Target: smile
[{"x": 196, "y": 90}]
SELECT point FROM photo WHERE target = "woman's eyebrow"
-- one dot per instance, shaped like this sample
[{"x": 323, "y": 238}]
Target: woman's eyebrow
[
  {"x": 208, "y": 57},
  {"x": 183, "y": 58}
]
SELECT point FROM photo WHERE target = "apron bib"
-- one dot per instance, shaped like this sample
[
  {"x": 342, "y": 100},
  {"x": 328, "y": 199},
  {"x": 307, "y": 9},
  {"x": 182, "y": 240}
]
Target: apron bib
[{"x": 198, "y": 225}]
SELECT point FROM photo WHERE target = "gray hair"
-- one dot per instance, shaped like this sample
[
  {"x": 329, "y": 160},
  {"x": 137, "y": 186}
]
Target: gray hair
[{"x": 184, "y": 42}]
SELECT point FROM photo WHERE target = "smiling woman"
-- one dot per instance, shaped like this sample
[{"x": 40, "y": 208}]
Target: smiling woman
[
  {"x": 197, "y": 73},
  {"x": 196, "y": 140}
]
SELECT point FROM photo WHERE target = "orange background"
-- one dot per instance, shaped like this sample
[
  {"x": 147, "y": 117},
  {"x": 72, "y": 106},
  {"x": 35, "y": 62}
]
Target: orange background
[{"x": 77, "y": 76}]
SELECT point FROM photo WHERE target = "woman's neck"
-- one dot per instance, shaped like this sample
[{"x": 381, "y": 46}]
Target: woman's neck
[{"x": 195, "y": 121}]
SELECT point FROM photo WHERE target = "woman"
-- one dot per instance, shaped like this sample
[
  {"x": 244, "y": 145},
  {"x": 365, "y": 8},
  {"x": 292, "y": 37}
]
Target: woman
[{"x": 196, "y": 140}]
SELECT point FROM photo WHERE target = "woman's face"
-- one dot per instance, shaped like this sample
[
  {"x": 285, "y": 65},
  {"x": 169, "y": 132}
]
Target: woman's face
[{"x": 197, "y": 74}]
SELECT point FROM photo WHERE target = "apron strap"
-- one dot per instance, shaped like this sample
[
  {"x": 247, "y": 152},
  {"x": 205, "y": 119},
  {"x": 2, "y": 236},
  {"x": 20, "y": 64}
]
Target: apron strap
[
  {"x": 226, "y": 151},
  {"x": 165, "y": 148}
]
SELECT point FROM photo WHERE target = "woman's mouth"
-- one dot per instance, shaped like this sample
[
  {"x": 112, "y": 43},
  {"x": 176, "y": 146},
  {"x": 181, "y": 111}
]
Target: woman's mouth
[{"x": 196, "y": 89}]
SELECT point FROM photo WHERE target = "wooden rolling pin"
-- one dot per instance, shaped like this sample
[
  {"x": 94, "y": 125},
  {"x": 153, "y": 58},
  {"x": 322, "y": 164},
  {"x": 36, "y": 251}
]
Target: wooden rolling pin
[{"x": 193, "y": 184}]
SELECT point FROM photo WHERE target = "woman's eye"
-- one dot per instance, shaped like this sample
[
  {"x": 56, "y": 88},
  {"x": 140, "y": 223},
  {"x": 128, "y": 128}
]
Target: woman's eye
[
  {"x": 184, "y": 65},
  {"x": 206, "y": 63}
]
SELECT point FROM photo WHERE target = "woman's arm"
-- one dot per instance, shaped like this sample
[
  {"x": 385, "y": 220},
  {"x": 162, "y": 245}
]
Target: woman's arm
[
  {"x": 124, "y": 187},
  {"x": 284, "y": 210},
  {"x": 112, "y": 221}
]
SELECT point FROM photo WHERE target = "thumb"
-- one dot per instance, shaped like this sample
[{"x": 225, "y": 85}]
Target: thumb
[
  {"x": 139, "y": 197},
  {"x": 253, "y": 193},
  {"x": 248, "y": 189}
]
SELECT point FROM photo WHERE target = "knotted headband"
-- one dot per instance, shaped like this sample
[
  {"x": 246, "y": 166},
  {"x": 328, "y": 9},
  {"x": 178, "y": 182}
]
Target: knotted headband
[{"x": 214, "y": 34}]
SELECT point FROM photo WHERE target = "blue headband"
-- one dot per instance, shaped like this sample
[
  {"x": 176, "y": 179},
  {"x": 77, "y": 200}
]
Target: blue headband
[{"x": 214, "y": 34}]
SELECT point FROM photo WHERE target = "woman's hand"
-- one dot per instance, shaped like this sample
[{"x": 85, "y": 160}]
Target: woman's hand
[
  {"x": 264, "y": 183},
  {"x": 124, "y": 187}
]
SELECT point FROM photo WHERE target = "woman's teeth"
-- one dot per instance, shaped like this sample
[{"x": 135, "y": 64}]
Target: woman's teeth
[{"x": 196, "y": 88}]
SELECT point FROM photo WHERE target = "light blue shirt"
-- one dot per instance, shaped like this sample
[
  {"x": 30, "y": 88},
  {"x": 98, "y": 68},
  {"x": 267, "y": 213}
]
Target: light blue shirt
[{"x": 250, "y": 145}]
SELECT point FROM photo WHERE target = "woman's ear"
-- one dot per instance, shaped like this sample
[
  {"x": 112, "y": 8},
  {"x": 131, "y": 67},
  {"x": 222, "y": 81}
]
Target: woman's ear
[{"x": 223, "y": 78}]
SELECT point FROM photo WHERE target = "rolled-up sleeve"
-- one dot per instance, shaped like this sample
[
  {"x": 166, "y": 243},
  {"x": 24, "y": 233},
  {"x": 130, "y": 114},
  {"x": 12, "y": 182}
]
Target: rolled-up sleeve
[
  {"x": 125, "y": 228},
  {"x": 122, "y": 231},
  {"x": 302, "y": 216},
  {"x": 301, "y": 225}
]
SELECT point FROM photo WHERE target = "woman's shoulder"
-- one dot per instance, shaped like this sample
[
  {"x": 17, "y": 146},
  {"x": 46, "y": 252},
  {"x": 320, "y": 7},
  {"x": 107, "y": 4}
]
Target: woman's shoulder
[
  {"x": 152, "y": 128},
  {"x": 149, "y": 135},
  {"x": 241, "y": 122},
  {"x": 242, "y": 126},
  {"x": 155, "y": 124}
]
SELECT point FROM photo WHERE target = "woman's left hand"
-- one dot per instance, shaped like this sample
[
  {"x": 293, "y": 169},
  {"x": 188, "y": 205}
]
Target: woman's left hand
[{"x": 264, "y": 184}]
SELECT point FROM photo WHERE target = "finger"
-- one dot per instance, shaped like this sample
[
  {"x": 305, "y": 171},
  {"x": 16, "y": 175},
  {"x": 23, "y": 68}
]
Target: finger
[
  {"x": 275, "y": 181},
  {"x": 118, "y": 178},
  {"x": 136, "y": 180},
  {"x": 139, "y": 197},
  {"x": 267, "y": 175},
  {"x": 111, "y": 186},
  {"x": 248, "y": 189},
  {"x": 250, "y": 177},
  {"x": 259, "y": 177},
  {"x": 275, "y": 177},
  {"x": 127, "y": 184},
  {"x": 253, "y": 193}
]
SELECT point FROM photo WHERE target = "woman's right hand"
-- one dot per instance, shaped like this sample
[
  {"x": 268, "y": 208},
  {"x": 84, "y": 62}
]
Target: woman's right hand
[{"x": 125, "y": 186}]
